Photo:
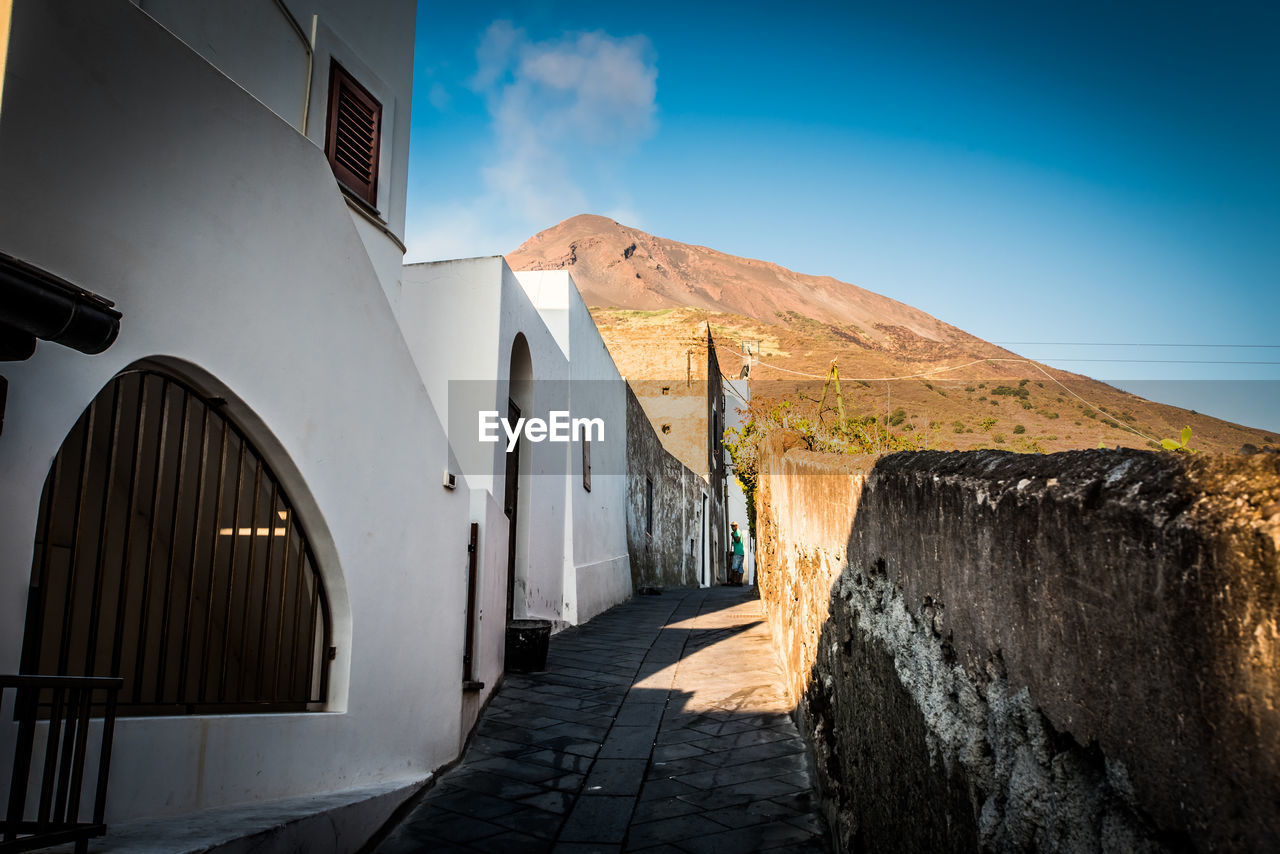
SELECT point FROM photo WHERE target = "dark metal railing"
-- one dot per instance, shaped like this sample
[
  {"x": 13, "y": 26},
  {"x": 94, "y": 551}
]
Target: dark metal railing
[
  {"x": 68, "y": 702},
  {"x": 168, "y": 553}
]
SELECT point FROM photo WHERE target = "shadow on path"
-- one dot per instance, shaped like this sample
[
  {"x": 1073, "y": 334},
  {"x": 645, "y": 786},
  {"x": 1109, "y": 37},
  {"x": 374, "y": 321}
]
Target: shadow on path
[{"x": 660, "y": 726}]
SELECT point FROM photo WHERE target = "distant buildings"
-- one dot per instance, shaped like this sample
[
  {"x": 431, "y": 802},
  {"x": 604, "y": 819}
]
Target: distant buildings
[
  {"x": 257, "y": 504},
  {"x": 678, "y": 384}
]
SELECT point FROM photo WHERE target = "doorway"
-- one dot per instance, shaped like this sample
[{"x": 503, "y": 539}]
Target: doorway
[{"x": 511, "y": 507}]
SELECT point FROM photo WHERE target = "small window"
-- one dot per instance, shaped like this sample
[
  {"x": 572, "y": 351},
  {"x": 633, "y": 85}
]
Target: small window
[
  {"x": 666, "y": 428},
  {"x": 586, "y": 463},
  {"x": 666, "y": 389},
  {"x": 353, "y": 134},
  {"x": 648, "y": 506}
]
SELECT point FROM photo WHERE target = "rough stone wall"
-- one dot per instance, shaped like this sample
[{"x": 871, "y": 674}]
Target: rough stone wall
[
  {"x": 719, "y": 527},
  {"x": 663, "y": 558},
  {"x": 999, "y": 651}
]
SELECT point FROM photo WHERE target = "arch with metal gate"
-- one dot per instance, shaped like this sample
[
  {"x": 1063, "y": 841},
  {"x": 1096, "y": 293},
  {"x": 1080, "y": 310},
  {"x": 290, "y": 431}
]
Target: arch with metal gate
[{"x": 168, "y": 553}]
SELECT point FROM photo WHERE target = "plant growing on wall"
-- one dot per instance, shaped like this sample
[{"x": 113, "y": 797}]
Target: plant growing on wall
[
  {"x": 744, "y": 447},
  {"x": 1180, "y": 444},
  {"x": 821, "y": 423}
]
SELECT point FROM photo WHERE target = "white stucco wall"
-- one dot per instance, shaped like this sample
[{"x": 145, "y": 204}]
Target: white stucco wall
[
  {"x": 461, "y": 319},
  {"x": 132, "y": 167},
  {"x": 254, "y": 43},
  {"x": 598, "y": 568}
]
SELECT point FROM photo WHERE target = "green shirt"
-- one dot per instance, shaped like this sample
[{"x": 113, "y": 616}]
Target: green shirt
[{"x": 737, "y": 543}]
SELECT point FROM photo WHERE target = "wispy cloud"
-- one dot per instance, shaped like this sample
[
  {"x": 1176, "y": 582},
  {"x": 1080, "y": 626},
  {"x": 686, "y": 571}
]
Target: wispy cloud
[{"x": 564, "y": 114}]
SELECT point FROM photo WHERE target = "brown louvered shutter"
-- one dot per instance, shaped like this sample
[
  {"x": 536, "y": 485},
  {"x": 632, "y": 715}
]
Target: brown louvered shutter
[{"x": 351, "y": 142}]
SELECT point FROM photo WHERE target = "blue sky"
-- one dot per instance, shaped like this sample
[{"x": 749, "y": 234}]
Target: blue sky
[{"x": 1028, "y": 171}]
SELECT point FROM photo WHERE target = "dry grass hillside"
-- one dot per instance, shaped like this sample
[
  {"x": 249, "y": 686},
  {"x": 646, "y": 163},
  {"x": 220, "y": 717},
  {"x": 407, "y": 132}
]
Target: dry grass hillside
[{"x": 646, "y": 290}]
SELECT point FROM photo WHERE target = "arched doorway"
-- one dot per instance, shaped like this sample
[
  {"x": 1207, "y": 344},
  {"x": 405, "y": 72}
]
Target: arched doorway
[
  {"x": 168, "y": 553},
  {"x": 515, "y": 500}
]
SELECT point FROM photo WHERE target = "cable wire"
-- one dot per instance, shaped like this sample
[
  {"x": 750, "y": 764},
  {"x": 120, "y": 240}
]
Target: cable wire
[{"x": 936, "y": 371}]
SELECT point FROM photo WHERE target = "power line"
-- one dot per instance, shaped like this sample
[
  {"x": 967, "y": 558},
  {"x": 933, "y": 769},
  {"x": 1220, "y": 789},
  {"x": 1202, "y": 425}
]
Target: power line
[
  {"x": 936, "y": 371},
  {"x": 1155, "y": 361},
  {"x": 1127, "y": 344}
]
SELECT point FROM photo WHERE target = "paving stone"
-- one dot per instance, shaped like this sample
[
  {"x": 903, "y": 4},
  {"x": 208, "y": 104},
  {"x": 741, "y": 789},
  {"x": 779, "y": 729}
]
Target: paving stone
[
  {"x": 656, "y": 808},
  {"x": 468, "y": 803},
  {"x": 528, "y": 772},
  {"x": 532, "y": 821},
  {"x": 639, "y": 714},
  {"x": 559, "y": 760},
  {"x": 580, "y": 732},
  {"x": 615, "y": 777},
  {"x": 670, "y": 752},
  {"x": 752, "y": 812},
  {"x": 408, "y": 844},
  {"x": 760, "y": 838},
  {"x": 565, "y": 782},
  {"x": 743, "y": 773},
  {"x": 475, "y": 780},
  {"x": 677, "y": 767},
  {"x": 551, "y": 801},
  {"x": 740, "y": 739},
  {"x": 647, "y": 696},
  {"x": 628, "y": 742},
  {"x": 461, "y": 828},
  {"x": 671, "y": 830},
  {"x": 660, "y": 726},
  {"x": 665, "y": 789},
  {"x": 775, "y": 750},
  {"x": 597, "y": 818},
  {"x": 809, "y": 822},
  {"x": 514, "y": 843}
]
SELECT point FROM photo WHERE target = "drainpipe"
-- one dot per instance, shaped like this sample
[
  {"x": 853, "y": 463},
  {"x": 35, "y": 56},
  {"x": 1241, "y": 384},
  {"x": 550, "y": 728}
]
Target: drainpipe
[
  {"x": 36, "y": 304},
  {"x": 311, "y": 59}
]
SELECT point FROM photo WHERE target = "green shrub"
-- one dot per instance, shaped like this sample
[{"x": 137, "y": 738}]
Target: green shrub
[
  {"x": 1018, "y": 428},
  {"x": 987, "y": 423},
  {"x": 1010, "y": 390},
  {"x": 998, "y": 438}
]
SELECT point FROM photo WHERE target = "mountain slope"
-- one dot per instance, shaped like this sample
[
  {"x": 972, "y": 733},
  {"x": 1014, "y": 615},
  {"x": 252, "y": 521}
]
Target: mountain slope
[{"x": 645, "y": 291}]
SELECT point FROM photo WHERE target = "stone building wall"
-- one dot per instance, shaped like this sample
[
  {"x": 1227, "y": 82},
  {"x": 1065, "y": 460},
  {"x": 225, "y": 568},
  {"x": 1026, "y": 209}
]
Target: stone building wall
[
  {"x": 669, "y": 554},
  {"x": 1001, "y": 651}
]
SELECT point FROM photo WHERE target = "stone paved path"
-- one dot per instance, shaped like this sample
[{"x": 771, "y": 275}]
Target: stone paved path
[{"x": 659, "y": 726}]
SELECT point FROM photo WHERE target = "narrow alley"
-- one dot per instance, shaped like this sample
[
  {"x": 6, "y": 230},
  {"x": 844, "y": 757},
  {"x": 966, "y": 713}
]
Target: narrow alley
[{"x": 661, "y": 725}]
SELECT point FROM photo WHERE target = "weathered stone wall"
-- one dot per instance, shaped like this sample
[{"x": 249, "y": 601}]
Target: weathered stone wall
[
  {"x": 999, "y": 651},
  {"x": 667, "y": 557}
]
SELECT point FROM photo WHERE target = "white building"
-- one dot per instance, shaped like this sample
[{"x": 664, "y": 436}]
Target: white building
[
  {"x": 242, "y": 505},
  {"x": 524, "y": 344}
]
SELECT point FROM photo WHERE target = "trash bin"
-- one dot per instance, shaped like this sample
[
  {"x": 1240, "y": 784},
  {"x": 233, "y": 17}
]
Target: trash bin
[{"x": 527, "y": 643}]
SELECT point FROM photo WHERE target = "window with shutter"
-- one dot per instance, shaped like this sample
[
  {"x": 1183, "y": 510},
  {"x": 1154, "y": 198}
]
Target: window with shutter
[{"x": 352, "y": 137}]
